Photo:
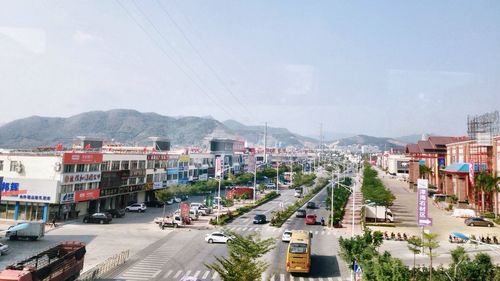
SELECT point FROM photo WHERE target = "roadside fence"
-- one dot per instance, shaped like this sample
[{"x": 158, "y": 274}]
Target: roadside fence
[{"x": 101, "y": 269}]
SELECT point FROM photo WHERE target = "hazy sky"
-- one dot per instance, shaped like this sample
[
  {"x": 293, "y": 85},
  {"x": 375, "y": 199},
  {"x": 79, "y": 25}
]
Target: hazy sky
[{"x": 380, "y": 68}]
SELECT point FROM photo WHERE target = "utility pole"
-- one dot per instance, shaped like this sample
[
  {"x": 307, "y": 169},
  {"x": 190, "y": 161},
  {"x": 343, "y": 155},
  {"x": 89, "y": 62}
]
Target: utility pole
[
  {"x": 265, "y": 143},
  {"x": 320, "y": 142}
]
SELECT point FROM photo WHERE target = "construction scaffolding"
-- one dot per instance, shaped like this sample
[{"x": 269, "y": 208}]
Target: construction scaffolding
[{"x": 482, "y": 128}]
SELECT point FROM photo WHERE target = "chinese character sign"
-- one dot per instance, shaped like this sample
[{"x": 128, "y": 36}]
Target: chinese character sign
[
  {"x": 219, "y": 163},
  {"x": 422, "y": 211}
]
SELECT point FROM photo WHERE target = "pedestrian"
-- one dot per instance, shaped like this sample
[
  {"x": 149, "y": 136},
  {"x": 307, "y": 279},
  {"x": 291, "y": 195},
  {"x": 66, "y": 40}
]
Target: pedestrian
[{"x": 54, "y": 222}]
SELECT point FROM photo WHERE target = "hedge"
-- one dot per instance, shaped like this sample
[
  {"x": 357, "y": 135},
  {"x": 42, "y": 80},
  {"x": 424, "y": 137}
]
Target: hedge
[{"x": 225, "y": 218}]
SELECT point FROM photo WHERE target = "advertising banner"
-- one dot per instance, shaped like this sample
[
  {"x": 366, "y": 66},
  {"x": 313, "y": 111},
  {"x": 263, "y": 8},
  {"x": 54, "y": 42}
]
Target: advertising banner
[
  {"x": 422, "y": 210},
  {"x": 82, "y": 158},
  {"x": 157, "y": 156},
  {"x": 471, "y": 173},
  {"x": 29, "y": 190},
  {"x": 68, "y": 197},
  {"x": 82, "y": 177},
  {"x": 85, "y": 195},
  {"x": 185, "y": 207},
  {"x": 219, "y": 163},
  {"x": 184, "y": 158},
  {"x": 157, "y": 185}
]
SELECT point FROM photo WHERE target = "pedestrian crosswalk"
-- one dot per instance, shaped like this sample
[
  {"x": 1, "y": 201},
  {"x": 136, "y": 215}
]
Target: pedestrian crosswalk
[{"x": 210, "y": 275}]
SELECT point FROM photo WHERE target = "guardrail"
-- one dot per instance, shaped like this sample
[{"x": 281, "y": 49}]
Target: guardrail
[{"x": 101, "y": 269}]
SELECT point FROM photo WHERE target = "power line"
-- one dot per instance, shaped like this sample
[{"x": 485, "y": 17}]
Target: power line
[
  {"x": 170, "y": 57},
  {"x": 202, "y": 58}
]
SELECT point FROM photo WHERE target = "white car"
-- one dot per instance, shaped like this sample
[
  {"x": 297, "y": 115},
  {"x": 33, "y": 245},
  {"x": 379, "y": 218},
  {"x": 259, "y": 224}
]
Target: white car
[
  {"x": 4, "y": 249},
  {"x": 270, "y": 185},
  {"x": 287, "y": 236},
  {"x": 217, "y": 237},
  {"x": 137, "y": 207}
]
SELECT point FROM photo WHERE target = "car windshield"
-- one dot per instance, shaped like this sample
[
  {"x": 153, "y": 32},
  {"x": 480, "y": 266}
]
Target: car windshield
[{"x": 298, "y": 248}]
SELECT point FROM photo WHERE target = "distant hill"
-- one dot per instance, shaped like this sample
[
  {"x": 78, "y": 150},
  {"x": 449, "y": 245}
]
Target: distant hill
[
  {"x": 410, "y": 138},
  {"x": 133, "y": 127},
  {"x": 382, "y": 143}
]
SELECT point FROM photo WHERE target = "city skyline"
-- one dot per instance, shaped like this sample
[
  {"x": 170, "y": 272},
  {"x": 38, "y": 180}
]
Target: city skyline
[{"x": 382, "y": 69}]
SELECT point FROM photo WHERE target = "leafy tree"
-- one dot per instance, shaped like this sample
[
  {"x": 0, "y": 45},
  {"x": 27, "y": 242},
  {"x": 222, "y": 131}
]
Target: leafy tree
[
  {"x": 430, "y": 243},
  {"x": 425, "y": 171},
  {"x": 415, "y": 246},
  {"x": 243, "y": 263},
  {"x": 164, "y": 195}
]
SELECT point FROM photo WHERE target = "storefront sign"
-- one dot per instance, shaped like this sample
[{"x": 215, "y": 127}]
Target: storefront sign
[
  {"x": 82, "y": 177},
  {"x": 157, "y": 185},
  {"x": 82, "y": 158},
  {"x": 203, "y": 177},
  {"x": 137, "y": 172},
  {"x": 85, "y": 195},
  {"x": 172, "y": 171},
  {"x": 157, "y": 157},
  {"x": 68, "y": 197},
  {"x": 184, "y": 158},
  {"x": 9, "y": 188},
  {"x": 422, "y": 214},
  {"x": 185, "y": 207}
]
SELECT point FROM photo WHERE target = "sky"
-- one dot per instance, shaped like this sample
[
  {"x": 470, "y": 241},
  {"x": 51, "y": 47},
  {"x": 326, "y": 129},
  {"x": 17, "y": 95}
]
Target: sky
[{"x": 382, "y": 68}]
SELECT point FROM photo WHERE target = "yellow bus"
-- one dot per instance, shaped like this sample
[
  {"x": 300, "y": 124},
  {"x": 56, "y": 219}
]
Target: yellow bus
[{"x": 298, "y": 256}]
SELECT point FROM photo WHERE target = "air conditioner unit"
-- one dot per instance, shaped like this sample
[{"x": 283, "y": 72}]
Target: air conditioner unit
[{"x": 58, "y": 166}]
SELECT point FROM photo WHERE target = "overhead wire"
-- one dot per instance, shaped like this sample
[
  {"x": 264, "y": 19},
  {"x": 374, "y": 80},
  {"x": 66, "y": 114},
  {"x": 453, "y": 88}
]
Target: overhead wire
[
  {"x": 164, "y": 52},
  {"x": 198, "y": 53}
]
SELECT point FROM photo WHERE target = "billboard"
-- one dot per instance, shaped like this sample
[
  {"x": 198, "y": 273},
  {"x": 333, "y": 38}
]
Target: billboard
[
  {"x": 29, "y": 190},
  {"x": 82, "y": 158},
  {"x": 82, "y": 177},
  {"x": 185, "y": 207},
  {"x": 85, "y": 195}
]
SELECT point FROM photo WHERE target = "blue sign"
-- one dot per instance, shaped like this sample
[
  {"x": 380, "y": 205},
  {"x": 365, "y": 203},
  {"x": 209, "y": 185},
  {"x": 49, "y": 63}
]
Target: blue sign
[
  {"x": 172, "y": 171},
  {"x": 8, "y": 186},
  {"x": 34, "y": 197},
  {"x": 357, "y": 268}
]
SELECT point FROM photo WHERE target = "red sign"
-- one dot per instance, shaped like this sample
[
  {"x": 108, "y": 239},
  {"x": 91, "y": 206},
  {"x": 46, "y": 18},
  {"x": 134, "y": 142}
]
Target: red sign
[
  {"x": 185, "y": 207},
  {"x": 82, "y": 158},
  {"x": 85, "y": 195}
]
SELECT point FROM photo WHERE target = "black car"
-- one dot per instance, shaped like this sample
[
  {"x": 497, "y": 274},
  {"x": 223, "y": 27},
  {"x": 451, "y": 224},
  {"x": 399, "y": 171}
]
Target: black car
[
  {"x": 154, "y": 203},
  {"x": 98, "y": 218},
  {"x": 311, "y": 205},
  {"x": 116, "y": 213},
  {"x": 259, "y": 219},
  {"x": 301, "y": 213}
]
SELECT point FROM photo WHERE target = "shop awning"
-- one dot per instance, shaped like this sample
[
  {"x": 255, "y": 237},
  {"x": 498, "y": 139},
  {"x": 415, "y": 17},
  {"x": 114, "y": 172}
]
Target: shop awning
[
  {"x": 457, "y": 168},
  {"x": 18, "y": 227}
]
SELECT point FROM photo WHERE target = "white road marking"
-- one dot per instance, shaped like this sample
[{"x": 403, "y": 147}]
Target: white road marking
[
  {"x": 187, "y": 273},
  {"x": 316, "y": 233},
  {"x": 272, "y": 278},
  {"x": 156, "y": 274},
  {"x": 263, "y": 276},
  {"x": 206, "y": 274},
  {"x": 301, "y": 278},
  {"x": 320, "y": 279},
  {"x": 215, "y": 275},
  {"x": 168, "y": 274},
  {"x": 291, "y": 277},
  {"x": 196, "y": 274},
  {"x": 322, "y": 233},
  {"x": 136, "y": 278},
  {"x": 244, "y": 228},
  {"x": 178, "y": 273},
  {"x": 282, "y": 277}
]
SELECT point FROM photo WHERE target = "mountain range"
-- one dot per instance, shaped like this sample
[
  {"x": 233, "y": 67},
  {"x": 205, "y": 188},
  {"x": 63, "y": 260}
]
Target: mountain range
[{"x": 134, "y": 128}]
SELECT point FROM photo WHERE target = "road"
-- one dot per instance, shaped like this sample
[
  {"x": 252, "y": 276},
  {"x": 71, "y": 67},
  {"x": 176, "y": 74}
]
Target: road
[{"x": 184, "y": 253}]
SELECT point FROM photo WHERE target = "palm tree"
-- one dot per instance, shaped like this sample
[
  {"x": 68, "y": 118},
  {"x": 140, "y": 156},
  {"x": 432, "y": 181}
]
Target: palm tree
[
  {"x": 425, "y": 171},
  {"x": 485, "y": 183}
]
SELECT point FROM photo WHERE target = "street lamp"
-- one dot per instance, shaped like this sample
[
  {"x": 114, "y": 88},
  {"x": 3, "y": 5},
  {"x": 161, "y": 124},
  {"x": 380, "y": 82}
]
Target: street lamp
[{"x": 219, "y": 198}]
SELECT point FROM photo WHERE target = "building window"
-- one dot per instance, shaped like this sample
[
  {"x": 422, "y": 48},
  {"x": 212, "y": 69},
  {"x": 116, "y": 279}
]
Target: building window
[
  {"x": 93, "y": 167},
  {"x": 151, "y": 164},
  {"x": 142, "y": 164},
  {"x": 149, "y": 178},
  {"x": 140, "y": 180},
  {"x": 125, "y": 165},
  {"x": 133, "y": 164},
  {"x": 69, "y": 168},
  {"x": 115, "y": 165},
  {"x": 80, "y": 168},
  {"x": 80, "y": 186},
  {"x": 1, "y": 165},
  {"x": 66, "y": 188},
  {"x": 105, "y": 166},
  {"x": 13, "y": 165}
]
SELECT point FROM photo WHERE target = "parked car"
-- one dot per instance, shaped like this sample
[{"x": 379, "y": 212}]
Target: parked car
[
  {"x": 177, "y": 200},
  {"x": 116, "y": 213},
  {"x": 287, "y": 235},
  {"x": 201, "y": 209},
  {"x": 260, "y": 218},
  {"x": 138, "y": 207},
  {"x": 311, "y": 205},
  {"x": 477, "y": 221},
  {"x": 98, "y": 218},
  {"x": 217, "y": 237},
  {"x": 301, "y": 213},
  {"x": 4, "y": 249},
  {"x": 270, "y": 185},
  {"x": 184, "y": 197},
  {"x": 170, "y": 201},
  {"x": 154, "y": 204},
  {"x": 311, "y": 219}
]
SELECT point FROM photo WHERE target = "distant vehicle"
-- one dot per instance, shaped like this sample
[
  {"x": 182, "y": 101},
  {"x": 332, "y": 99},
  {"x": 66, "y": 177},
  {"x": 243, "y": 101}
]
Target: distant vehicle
[
  {"x": 311, "y": 219},
  {"x": 201, "y": 209},
  {"x": 477, "y": 221},
  {"x": 311, "y": 205},
  {"x": 184, "y": 197},
  {"x": 193, "y": 214},
  {"x": 298, "y": 192},
  {"x": 154, "y": 204},
  {"x": 260, "y": 218},
  {"x": 26, "y": 230},
  {"x": 298, "y": 256},
  {"x": 378, "y": 213},
  {"x": 138, "y": 207},
  {"x": 98, "y": 218},
  {"x": 170, "y": 201},
  {"x": 301, "y": 213},
  {"x": 4, "y": 249},
  {"x": 177, "y": 200},
  {"x": 63, "y": 261},
  {"x": 116, "y": 213},
  {"x": 270, "y": 185},
  {"x": 287, "y": 235},
  {"x": 168, "y": 221},
  {"x": 217, "y": 237}
]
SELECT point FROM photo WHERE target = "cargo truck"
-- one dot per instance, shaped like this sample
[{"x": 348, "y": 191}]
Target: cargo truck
[
  {"x": 26, "y": 230},
  {"x": 378, "y": 214},
  {"x": 61, "y": 262},
  {"x": 168, "y": 221}
]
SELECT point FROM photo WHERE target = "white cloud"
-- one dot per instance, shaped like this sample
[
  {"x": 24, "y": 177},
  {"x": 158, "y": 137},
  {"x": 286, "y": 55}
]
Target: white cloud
[
  {"x": 82, "y": 37},
  {"x": 32, "y": 39}
]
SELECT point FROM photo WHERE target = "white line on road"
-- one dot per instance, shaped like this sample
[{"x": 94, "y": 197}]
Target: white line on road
[
  {"x": 282, "y": 277},
  {"x": 301, "y": 278},
  {"x": 244, "y": 228},
  {"x": 205, "y": 275},
  {"x": 156, "y": 274},
  {"x": 291, "y": 277},
  {"x": 139, "y": 274},
  {"x": 322, "y": 233},
  {"x": 320, "y": 279},
  {"x": 168, "y": 273},
  {"x": 316, "y": 233},
  {"x": 136, "y": 278},
  {"x": 310, "y": 279},
  {"x": 178, "y": 273},
  {"x": 272, "y": 278},
  {"x": 263, "y": 276},
  {"x": 215, "y": 275},
  {"x": 196, "y": 274},
  {"x": 139, "y": 270},
  {"x": 187, "y": 273}
]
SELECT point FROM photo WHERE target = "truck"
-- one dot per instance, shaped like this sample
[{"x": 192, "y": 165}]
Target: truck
[
  {"x": 169, "y": 221},
  {"x": 298, "y": 192},
  {"x": 26, "y": 230},
  {"x": 60, "y": 262},
  {"x": 378, "y": 214},
  {"x": 201, "y": 209}
]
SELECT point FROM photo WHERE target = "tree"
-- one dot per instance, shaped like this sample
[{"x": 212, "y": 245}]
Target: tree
[
  {"x": 243, "y": 263},
  {"x": 415, "y": 246},
  {"x": 164, "y": 195},
  {"x": 430, "y": 243},
  {"x": 425, "y": 171}
]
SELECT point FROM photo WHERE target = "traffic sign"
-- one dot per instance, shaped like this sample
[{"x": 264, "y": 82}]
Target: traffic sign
[{"x": 358, "y": 272}]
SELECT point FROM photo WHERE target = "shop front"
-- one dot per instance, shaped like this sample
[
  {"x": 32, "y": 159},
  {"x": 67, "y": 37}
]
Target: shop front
[{"x": 27, "y": 199}]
